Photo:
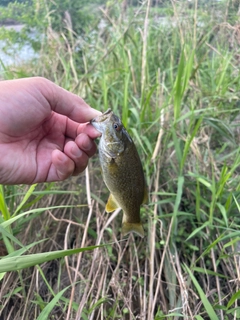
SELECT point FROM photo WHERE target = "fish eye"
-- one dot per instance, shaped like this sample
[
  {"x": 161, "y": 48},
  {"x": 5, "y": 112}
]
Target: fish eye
[{"x": 116, "y": 126}]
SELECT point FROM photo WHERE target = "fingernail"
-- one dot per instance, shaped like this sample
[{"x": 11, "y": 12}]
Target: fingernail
[{"x": 77, "y": 152}]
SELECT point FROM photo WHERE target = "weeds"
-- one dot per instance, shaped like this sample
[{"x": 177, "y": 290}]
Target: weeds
[{"x": 172, "y": 73}]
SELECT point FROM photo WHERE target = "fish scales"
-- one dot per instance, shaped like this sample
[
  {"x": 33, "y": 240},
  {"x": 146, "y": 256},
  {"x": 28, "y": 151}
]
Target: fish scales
[
  {"x": 122, "y": 171},
  {"x": 125, "y": 182}
]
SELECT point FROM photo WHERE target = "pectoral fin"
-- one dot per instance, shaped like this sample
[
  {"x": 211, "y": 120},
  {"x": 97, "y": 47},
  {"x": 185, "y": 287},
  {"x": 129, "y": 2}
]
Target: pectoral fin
[{"x": 111, "y": 204}]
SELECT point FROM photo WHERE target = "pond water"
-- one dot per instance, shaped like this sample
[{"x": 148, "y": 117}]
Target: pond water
[{"x": 16, "y": 54}]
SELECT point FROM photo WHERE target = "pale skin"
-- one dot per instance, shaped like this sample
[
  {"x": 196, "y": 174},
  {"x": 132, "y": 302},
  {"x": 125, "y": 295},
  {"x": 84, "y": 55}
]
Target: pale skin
[{"x": 44, "y": 132}]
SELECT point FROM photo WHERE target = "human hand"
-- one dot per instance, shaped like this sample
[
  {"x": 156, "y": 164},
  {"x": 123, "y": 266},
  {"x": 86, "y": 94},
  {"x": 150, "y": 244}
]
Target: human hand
[{"x": 44, "y": 134}]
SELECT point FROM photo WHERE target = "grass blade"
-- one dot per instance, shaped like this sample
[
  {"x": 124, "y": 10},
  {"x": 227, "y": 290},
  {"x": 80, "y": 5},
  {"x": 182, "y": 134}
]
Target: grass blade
[
  {"x": 3, "y": 206},
  {"x": 235, "y": 297},
  {"x": 21, "y": 262},
  {"x": 208, "y": 307},
  {"x": 25, "y": 198},
  {"x": 47, "y": 310}
]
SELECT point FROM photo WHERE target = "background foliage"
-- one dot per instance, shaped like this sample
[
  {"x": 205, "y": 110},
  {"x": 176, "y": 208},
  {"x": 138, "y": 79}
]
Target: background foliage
[{"x": 171, "y": 71}]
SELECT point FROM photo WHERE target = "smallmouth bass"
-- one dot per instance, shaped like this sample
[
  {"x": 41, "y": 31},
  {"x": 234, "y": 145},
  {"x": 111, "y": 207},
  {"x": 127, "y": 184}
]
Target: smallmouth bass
[{"x": 122, "y": 171}]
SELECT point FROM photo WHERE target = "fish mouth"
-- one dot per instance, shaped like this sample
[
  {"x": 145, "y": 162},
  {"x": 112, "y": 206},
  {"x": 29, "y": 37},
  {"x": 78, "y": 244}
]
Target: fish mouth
[
  {"x": 102, "y": 117},
  {"x": 107, "y": 112}
]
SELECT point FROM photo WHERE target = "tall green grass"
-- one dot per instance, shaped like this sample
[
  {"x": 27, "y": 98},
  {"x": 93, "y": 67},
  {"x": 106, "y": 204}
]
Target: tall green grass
[{"x": 171, "y": 72}]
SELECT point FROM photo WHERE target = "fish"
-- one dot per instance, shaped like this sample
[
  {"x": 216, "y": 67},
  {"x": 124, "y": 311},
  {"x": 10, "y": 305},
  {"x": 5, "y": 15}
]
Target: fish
[{"x": 122, "y": 171}]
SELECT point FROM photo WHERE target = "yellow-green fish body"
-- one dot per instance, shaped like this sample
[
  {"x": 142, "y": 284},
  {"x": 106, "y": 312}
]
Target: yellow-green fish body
[{"x": 122, "y": 171}]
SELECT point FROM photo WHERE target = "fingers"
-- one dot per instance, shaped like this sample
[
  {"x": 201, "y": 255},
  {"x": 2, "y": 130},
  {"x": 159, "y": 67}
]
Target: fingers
[
  {"x": 88, "y": 129},
  {"x": 63, "y": 166},
  {"x": 80, "y": 151},
  {"x": 75, "y": 157},
  {"x": 65, "y": 102},
  {"x": 73, "y": 129},
  {"x": 86, "y": 144}
]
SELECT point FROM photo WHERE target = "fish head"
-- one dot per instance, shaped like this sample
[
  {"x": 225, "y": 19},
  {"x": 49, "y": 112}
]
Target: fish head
[{"x": 114, "y": 135}]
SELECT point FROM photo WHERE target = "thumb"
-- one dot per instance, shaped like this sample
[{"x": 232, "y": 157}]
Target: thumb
[{"x": 65, "y": 102}]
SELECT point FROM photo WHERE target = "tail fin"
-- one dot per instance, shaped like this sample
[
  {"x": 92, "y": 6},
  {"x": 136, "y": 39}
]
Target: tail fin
[{"x": 128, "y": 227}]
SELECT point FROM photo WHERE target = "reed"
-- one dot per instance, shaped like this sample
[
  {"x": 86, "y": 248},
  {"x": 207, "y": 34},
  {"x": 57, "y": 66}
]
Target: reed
[{"x": 172, "y": 73}]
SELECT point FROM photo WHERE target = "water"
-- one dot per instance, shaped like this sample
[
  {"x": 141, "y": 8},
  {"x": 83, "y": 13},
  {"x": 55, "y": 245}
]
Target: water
[{"x": 16, "y": 55}]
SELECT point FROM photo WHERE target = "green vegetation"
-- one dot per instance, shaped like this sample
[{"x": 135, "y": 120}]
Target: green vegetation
[{"x": 171, "y": 70}]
